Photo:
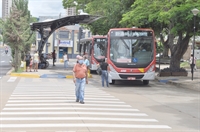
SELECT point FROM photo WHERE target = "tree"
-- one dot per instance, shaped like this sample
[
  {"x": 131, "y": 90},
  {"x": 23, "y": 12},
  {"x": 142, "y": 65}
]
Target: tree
[
  {"x": 16, "y": 30},
  {"x": 173, "y": 15},
  {"x": 111, "y": 11}
]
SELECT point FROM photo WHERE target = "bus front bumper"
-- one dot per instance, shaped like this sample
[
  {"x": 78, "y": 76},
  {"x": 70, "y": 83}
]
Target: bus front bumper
[{"x": 133, "y": 76}]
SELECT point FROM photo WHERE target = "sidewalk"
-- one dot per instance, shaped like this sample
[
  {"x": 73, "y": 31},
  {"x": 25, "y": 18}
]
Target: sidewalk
[
  {"x": 181, "y": 81},
  {"x": 56, "y": 71}
]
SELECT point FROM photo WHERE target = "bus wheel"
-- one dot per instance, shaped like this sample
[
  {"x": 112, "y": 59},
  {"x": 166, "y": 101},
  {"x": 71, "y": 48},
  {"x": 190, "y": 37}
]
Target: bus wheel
[
  {"x": 145, "y": 82},
  {"x": 92, "y": 71},
  {"x": 46, "y": 64},
  {"x": 113, "y": 82}
]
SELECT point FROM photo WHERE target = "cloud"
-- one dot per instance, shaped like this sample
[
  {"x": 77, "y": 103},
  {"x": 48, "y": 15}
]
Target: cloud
[{"x": 46, "y": 8}]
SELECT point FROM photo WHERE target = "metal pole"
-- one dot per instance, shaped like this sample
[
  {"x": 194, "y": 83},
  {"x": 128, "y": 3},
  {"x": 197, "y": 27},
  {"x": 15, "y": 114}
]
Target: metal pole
[
  {"x": 159, "y": 53},
  {"x": 79, "y": 38},
  {"x": 192, "y": 70}
]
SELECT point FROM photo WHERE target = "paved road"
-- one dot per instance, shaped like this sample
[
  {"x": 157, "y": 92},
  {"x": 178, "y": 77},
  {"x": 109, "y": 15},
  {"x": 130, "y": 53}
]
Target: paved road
[
  {"x": 48, "y": 104},
  {"x": 4, "y": 62}
]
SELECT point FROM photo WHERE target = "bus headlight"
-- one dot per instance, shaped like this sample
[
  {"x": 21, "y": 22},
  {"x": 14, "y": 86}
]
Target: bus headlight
[{"x": 151, "y": 68}]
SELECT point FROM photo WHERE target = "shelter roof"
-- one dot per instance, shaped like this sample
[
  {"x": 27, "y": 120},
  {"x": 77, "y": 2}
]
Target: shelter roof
[{"x": 64, "y": 21}]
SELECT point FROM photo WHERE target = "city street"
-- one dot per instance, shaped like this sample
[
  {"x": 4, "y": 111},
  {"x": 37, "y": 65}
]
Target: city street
[
  {"x": 50, "y": 48},
  {"x": 48, "y": 104},
  {"x": 4, "y": 61}
]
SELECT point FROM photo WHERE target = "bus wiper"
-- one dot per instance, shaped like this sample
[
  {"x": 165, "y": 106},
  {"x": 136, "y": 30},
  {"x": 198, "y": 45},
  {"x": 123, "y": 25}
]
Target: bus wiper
[{"x": 125, "y": 43}]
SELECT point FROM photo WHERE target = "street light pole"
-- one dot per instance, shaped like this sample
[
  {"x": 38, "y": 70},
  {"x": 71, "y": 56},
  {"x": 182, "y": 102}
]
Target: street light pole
[{"x": 195, "y": 12}]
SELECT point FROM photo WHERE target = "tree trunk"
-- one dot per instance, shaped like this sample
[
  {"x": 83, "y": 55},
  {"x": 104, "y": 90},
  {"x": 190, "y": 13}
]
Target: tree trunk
[
  {"x": 17, "y": 59},
  {"x": 178, "y": 50},
  {"x": 175, "y": 62},
  {"x": 165, "y": 51},
  {"x": 165, "y": 46}
]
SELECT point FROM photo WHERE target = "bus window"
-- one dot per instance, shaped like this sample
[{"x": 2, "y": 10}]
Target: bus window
[
  {"x": 128, "y": 50},
  {"x": 99, "y": 50}
]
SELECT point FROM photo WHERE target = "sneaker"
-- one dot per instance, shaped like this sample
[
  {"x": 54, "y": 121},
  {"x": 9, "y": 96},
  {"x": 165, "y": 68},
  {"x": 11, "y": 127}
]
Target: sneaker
[
  {"x": 82, "y": 102},
  {"x": 77, "y": 100}
]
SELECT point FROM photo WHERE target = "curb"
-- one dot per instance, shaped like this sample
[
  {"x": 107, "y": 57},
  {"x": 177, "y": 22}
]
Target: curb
[
  {"x": 180, "y": 85},
  {"x": 69, "y": 76},
  {"x": 10, "y": 71},
  {"x": 37, "y": 75},
  {"x": 25, "y": 75},
  {"x": 183, "y": 85}
]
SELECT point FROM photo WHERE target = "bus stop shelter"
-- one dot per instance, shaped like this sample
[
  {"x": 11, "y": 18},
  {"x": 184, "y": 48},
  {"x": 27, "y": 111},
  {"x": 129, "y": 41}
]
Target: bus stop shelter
[{"x": 48, "y": 27}]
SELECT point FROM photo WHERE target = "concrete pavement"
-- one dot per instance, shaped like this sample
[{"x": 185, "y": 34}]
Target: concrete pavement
[{"x": 182, "y": 81}]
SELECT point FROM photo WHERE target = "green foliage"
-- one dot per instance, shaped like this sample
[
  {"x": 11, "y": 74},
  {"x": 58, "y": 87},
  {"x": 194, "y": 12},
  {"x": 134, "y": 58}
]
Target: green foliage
[
  {"x": 172, "y": 18},
  {"x": 1, "y": 38},
  {"x": 159, "y": 48},
  {"x": 16, "y": 30},
  {"x": 111, "y": 11}
]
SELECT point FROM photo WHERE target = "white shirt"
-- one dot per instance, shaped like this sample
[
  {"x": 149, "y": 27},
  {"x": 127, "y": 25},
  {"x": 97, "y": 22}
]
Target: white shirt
[
  {"x": 36, "y": 56},
  {"x": 65, "y": 57}
]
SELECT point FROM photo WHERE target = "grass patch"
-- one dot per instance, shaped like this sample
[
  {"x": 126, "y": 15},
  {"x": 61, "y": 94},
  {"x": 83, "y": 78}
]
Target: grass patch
[
  {"x": 198, "y": 63},
  {"x": 18, "y": 71},
  {"x": 187, "y": 65}
]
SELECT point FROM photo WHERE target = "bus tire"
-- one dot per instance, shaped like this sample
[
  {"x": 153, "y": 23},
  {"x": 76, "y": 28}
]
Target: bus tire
[
  {"x": 113, "y": 82},
  {"x": 92, "y": 71},
  {"x": 46, "y": 64},
  {"x": 145, "y": 82}
]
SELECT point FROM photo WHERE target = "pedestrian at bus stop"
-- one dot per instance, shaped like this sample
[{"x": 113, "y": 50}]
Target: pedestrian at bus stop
[
  {"x": 66, "y": 60},
  {"x": 27, "y": 59},
  {"x": 105, "y": 71},
  {"x": 6, "y": 50},
  {"x": 80, "y": 78},
  {"x": 54, "y": 57},
  {"x": 86, "y": 61},
  {"x": 192, "y": 66},
  {"x": 36, "y": 60}
]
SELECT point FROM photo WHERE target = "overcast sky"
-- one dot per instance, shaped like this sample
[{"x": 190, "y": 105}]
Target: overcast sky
[
  {"x": 43, "y": 8},
  {"x": 0, "y": 8}
]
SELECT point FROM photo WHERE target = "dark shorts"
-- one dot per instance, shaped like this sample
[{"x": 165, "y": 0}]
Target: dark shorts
[{"x": 27, "y": 63}]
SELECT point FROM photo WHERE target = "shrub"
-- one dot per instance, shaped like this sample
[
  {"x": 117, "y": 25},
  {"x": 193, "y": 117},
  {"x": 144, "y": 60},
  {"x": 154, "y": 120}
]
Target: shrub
[{"x": 173, "y": 70}]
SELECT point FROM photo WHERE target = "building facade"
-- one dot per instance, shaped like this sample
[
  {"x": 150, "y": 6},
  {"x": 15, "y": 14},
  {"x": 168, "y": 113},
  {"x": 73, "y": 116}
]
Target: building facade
[
  {"x": 71, "y": 11},
  {"x": 6, "y": 5}
]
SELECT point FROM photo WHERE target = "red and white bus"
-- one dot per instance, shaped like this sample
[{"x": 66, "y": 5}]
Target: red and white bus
[
  {"x": 95, "y": 49},
  {"x": 131, "y": 54}
]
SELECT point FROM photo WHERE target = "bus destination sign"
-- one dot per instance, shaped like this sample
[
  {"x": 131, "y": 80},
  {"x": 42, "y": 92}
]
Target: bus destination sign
[
  {"x": 130, "y": 33},
  {"x": 100, "y": 39}
]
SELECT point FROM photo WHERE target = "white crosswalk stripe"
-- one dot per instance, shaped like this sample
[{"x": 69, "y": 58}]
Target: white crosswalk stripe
[
  {"x": 12, "y": 79},
  {"x": 32, "y": 107}
]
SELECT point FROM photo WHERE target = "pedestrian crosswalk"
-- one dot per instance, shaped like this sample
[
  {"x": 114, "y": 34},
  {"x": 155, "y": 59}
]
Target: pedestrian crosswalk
[{"x": 51, "y": 107}]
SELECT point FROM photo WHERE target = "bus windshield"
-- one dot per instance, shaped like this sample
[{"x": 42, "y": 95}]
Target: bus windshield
[
  {"x": 99, "y": 48},
  {"x": 138, "y": 50}
]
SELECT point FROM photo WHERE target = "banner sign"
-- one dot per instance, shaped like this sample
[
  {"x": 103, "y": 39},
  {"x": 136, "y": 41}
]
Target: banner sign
[{"x": 65, "y": 43}]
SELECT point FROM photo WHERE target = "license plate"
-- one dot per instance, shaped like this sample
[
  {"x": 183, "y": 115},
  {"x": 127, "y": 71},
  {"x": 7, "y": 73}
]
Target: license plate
[{"x": 131, "y": 78}]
